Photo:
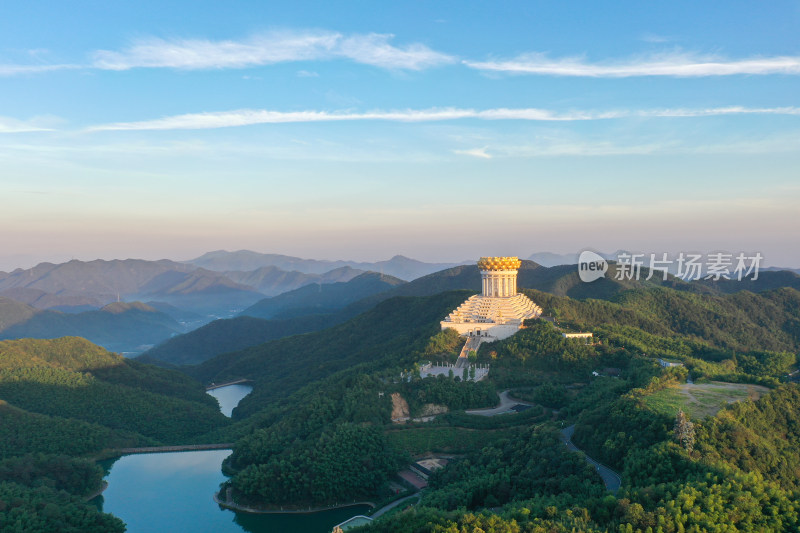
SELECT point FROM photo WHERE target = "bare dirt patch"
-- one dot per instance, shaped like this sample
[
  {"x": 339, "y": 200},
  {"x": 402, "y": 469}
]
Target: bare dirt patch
[{"x": 400, "y": 411}]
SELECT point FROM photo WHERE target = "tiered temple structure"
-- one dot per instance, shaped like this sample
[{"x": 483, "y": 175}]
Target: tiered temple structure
[{"x": 498, "y": 312}]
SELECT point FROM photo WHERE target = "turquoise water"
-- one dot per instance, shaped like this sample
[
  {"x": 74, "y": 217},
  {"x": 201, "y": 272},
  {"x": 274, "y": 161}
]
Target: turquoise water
[{"x": 172, "y": 493}]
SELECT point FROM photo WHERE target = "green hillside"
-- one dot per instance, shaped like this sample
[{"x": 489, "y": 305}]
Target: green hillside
[
  {"x": 71, "y": 378},
  {"x": 232, "y": 334},
  {"x": 226, "y": 336},
  {"x": 309, "y": 389},
  {"x": 323, "y": 298},
  {"x": 739, "y": 321},
  {"x": 118, "y": 326},
  {"x": 384, "y": 335},
  {"x": 73, "y": 354},
  {"x": 317, "y": 428}
]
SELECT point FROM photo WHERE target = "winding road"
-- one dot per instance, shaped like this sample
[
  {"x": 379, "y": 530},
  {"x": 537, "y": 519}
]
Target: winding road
[
  {"x": 506, "y": 403},
  {"x": 610, "y": 478},
  {"x": 395, "y": 503}
]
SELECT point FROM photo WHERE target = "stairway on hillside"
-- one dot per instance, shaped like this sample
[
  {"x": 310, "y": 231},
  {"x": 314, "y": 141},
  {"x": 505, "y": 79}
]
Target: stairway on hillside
[{"x": 471, "y": 345}]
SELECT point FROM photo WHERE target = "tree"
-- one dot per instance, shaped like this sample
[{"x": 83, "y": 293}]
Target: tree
[{"x": 684, "y": 431}]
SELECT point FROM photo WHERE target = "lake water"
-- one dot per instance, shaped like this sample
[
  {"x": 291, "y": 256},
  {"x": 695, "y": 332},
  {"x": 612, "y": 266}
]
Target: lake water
[
  {"x": 230, "y": 396},
  {"x": 172, "y": 493}
]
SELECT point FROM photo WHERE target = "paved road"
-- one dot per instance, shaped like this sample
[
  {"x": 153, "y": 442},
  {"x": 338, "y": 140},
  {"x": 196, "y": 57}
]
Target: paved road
[
  {"x": 179, "y": 448},
  {"x": 506, "y": 403},
  {"x": 394, "y": 504},
  {"x": 238, "y": 381},
  {"x": 610, "y": 478}
]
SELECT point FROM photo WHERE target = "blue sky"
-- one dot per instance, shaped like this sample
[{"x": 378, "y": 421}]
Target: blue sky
[{"x": 439, "y": 130}]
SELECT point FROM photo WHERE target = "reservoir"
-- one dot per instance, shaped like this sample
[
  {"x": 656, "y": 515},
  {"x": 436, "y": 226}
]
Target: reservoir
[
  {"x": 230, "y": 396},
  {"x": 172, "y": 493}
]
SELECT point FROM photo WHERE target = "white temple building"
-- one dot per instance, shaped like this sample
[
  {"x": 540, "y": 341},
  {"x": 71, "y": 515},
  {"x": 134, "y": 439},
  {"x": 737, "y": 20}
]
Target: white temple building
[{"x": 498, "y": 312}]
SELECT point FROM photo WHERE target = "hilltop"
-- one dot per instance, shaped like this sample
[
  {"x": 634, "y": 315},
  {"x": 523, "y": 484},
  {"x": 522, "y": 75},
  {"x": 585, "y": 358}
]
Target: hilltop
[{"x": 563, "y": 280}]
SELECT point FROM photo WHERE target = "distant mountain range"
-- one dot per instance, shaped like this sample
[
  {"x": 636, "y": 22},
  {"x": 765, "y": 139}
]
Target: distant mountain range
[
  {"x": 96, "y": 283},
  {"x": 271, "y": 280},
  {"x": 72, "y": 299},
  {"x": 182, "y": 296},
  {"x": 245, "y": 260},
  {"x": 218, "y": 284}
]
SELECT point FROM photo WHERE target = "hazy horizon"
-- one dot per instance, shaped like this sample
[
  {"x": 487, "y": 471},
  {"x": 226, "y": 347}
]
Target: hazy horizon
[{"x": 8, "y": 264}]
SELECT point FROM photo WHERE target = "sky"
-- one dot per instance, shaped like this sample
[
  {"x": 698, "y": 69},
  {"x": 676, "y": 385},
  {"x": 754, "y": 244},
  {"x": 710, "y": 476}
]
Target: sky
[{"x": 441, "y": 131}]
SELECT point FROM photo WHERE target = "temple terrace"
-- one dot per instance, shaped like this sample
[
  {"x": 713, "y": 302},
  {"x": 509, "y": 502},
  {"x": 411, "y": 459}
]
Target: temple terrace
[{"x": 499, "y": 311}]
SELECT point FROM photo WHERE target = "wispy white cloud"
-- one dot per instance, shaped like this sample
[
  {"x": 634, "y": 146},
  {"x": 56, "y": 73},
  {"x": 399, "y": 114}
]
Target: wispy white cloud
[
  {"x": 13, "y": 125},
  {"x": 480, "y": 153},
  {"x": 247, "y": 117},
  {"x": 580, "y": 148},
  {"x": 16, "y": 70},
  {"x": 672, "y": 64},
  {"x": 716, "y": 111},
  {"x": 276, "y": 47},
  {"x": 374, "y": 49}
]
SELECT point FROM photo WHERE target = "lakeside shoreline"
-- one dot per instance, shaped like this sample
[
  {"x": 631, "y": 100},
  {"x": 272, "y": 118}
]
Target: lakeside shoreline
[
  {"x": 97, "y": 493},
  {"x": 252, "y": 510}
]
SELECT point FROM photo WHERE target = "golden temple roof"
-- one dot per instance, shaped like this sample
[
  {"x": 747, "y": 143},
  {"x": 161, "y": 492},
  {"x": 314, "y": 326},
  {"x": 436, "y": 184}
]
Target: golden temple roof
[{"x": 499, "y": 263}]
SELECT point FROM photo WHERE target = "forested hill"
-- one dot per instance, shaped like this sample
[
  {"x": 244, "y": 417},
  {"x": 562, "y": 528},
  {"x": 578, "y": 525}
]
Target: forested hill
[
  {"x": 321, "y": 403},
  {"x": 226, "y": 336},
  {"x": 67, "y": 353},
  {"x": 77, "y": 382},
  {"x": 64, "y": 403},
  {"x": 232, "y": 334},
  {"x": 118, "y": 326},
  {"x": 323, "y": 298},
  {"x": 659, "y": 320},
  {"x": 768, "y": 320},
  {"x": 563, "y": 280},
  {"x": 384, "y": 336}
]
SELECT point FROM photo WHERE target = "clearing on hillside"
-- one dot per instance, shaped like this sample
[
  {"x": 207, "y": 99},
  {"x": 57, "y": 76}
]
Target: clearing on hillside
[{"x": 702, "y": 399}]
